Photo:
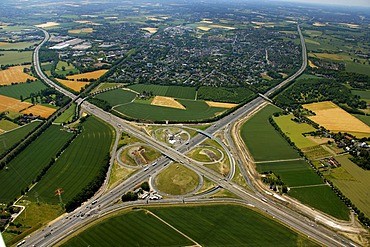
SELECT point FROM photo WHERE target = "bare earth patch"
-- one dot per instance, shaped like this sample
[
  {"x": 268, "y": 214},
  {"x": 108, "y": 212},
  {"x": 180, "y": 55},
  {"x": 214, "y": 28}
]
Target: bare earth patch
[
  {"x": 220, "y": 104},
  {"x": 203, "y": 28},
  {"x": 167, "y": 102},
  {"x": 14, "y": 74},
  {"x": 335, "y": 118}
]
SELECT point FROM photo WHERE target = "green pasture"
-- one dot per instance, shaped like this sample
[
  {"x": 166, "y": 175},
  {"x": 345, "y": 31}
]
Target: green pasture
[
  {"x": 78, "y": 164},
  {"x": 362, "y": 93},
  {"x": 15, "y": 57},
  {"x": 229, "y": 95},
  {"x": 363, "y": 118},
  {"x": 177, "y": 179},
  {"x": 168, "y": 91},
  {"x": 195, "y": 110},
  {"x": 7, "y": 125},
  {"x": 358, "y": 68},
  {"x": 355, "y": 185},
  {"x": 292, "y": 173},
  {"x": 263, "y": 141},
  {"x": 295, "y": 130},
  {"x": 117, "y": 96},
  {"x": 67, "y": 115},
  {"x": 133, "y": 228},
  {"x": 22, "y": 89},
  {"x": 211, "y": 225},
  {"x": 17, "y": 45},
  {"x": 8, "y": 139},
  {"x": 25, "y": 167},
  {"x": 322, "y": 198},
  {"x": 68, "y": 68}
]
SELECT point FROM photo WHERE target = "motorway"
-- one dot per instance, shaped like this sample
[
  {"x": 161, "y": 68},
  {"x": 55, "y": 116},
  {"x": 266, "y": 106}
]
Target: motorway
[{"x": 63, "y": 227}]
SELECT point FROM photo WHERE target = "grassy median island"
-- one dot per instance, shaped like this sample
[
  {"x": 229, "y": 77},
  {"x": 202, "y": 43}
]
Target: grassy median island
[
  {"x": 176, "y": 179},
  {"x": 208, "y": 225}
]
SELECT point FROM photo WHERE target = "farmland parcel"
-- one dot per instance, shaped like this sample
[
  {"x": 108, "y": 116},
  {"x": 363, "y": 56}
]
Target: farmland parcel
[
  {"x": 79, "y": 163},
  {"x": 24, "y": 168},
  {"x": 334, "y": 118},
  {"x": 216, "y": 225}
]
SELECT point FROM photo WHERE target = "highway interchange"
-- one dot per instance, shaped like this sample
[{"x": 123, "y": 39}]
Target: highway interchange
[{"x": 104, "y": 200}]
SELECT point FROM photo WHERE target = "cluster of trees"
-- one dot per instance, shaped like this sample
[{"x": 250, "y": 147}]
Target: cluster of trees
[
  {"x": 313, "y": 90},
  {"x": 274, "y": 182},
  {"x": 132, "y": 196},
  {"x": 103, "y": 104},
  {"x": 361, "y": 158},
  {"x": 91, "y": 188}
]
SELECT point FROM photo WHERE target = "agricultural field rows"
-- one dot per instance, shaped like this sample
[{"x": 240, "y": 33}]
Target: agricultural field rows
[
  {"x": 117, "y": 96},
  {"x": 263, "y": 141},
  {"x": 212, "y": 225},
  {"x": 302, "y": 180},
  {"x": 24, "y": 168},
  {"x": 22, "y": 90},
  {"x": 67, "y": 115},
  {"x": 169, "y": 91},
  {"x": 15, "y": 57},
  {"x": 8, "y": 139},
  {"x": 78, "y": 164}
]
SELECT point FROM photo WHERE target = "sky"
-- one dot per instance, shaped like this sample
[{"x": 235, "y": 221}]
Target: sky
[{"x": 341, "y": 2}]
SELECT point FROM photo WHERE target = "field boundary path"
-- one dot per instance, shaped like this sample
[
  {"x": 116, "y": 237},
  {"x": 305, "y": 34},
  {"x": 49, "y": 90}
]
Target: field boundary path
[
  {"x": 275, "y": 161},
  {"x": 172, "y": 227},
  {"x": 307, "y": 186}
]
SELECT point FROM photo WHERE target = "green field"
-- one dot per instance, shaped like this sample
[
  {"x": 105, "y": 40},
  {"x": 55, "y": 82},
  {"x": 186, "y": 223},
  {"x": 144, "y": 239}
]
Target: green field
[
  {"x": 7, "y": 125},
  {"x": 177, "y": 179},
  {"x": 229, "y": 95},
  {"x": 263, "y": 141},
  {"x": 195, "y": 110},
  {"x": 212, "y": 225},
  {"x": 67, "y": 115},
  {"x": 15, "y": 57},
  {"x": 358, "y": 68},
  {"x": 295, "y": 130},
  {"x": 292, "y": 173},
  {"x": 24, "y": 168},
  {"x": 22, "y": 89},
  {"x": 78, "y": 164},
  {"x": 322, "y": 198},
  {"x": 68, "y": 69},
  {"x": 17, "y": 45},
  {"x": 117, "y": 97},
  {"x": 363, "y": 118},
  {"x": 134, "y": 228},
  {"x": 363, "y": 94},
  {"x": 106, "y": 85},
  {"x": 8, "y": 139},
  {"x": 355, "y": 185},
  {"x": 169, "y": 91}
]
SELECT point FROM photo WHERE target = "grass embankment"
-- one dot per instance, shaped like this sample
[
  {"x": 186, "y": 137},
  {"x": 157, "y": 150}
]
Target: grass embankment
[{"x": 176, "y": 179}]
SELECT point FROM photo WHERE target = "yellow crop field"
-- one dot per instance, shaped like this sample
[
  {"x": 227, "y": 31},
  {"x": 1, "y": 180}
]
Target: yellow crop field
[
  {"x": 89, "y": 75},
  {"x": 39, "y": 110},
  {"x": 203, "y": 28},
  {"x": 48, "y": 24},
  {"x": 318, "y": 24},
  {"x": 334, "y": 118},
  {"x": 167, "y": 102},
  {"x": 14, "y": 74},
  {"x": 337, "y": 57},
  {"x": 150, "y": 29},
  {"x": 75, "y": 85},
  {"x": 311, "y": 64},
  {"x": 220, "y": 104},
  {"x": 83, "y": 30},
  {"x": 11, "y": 104}
]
